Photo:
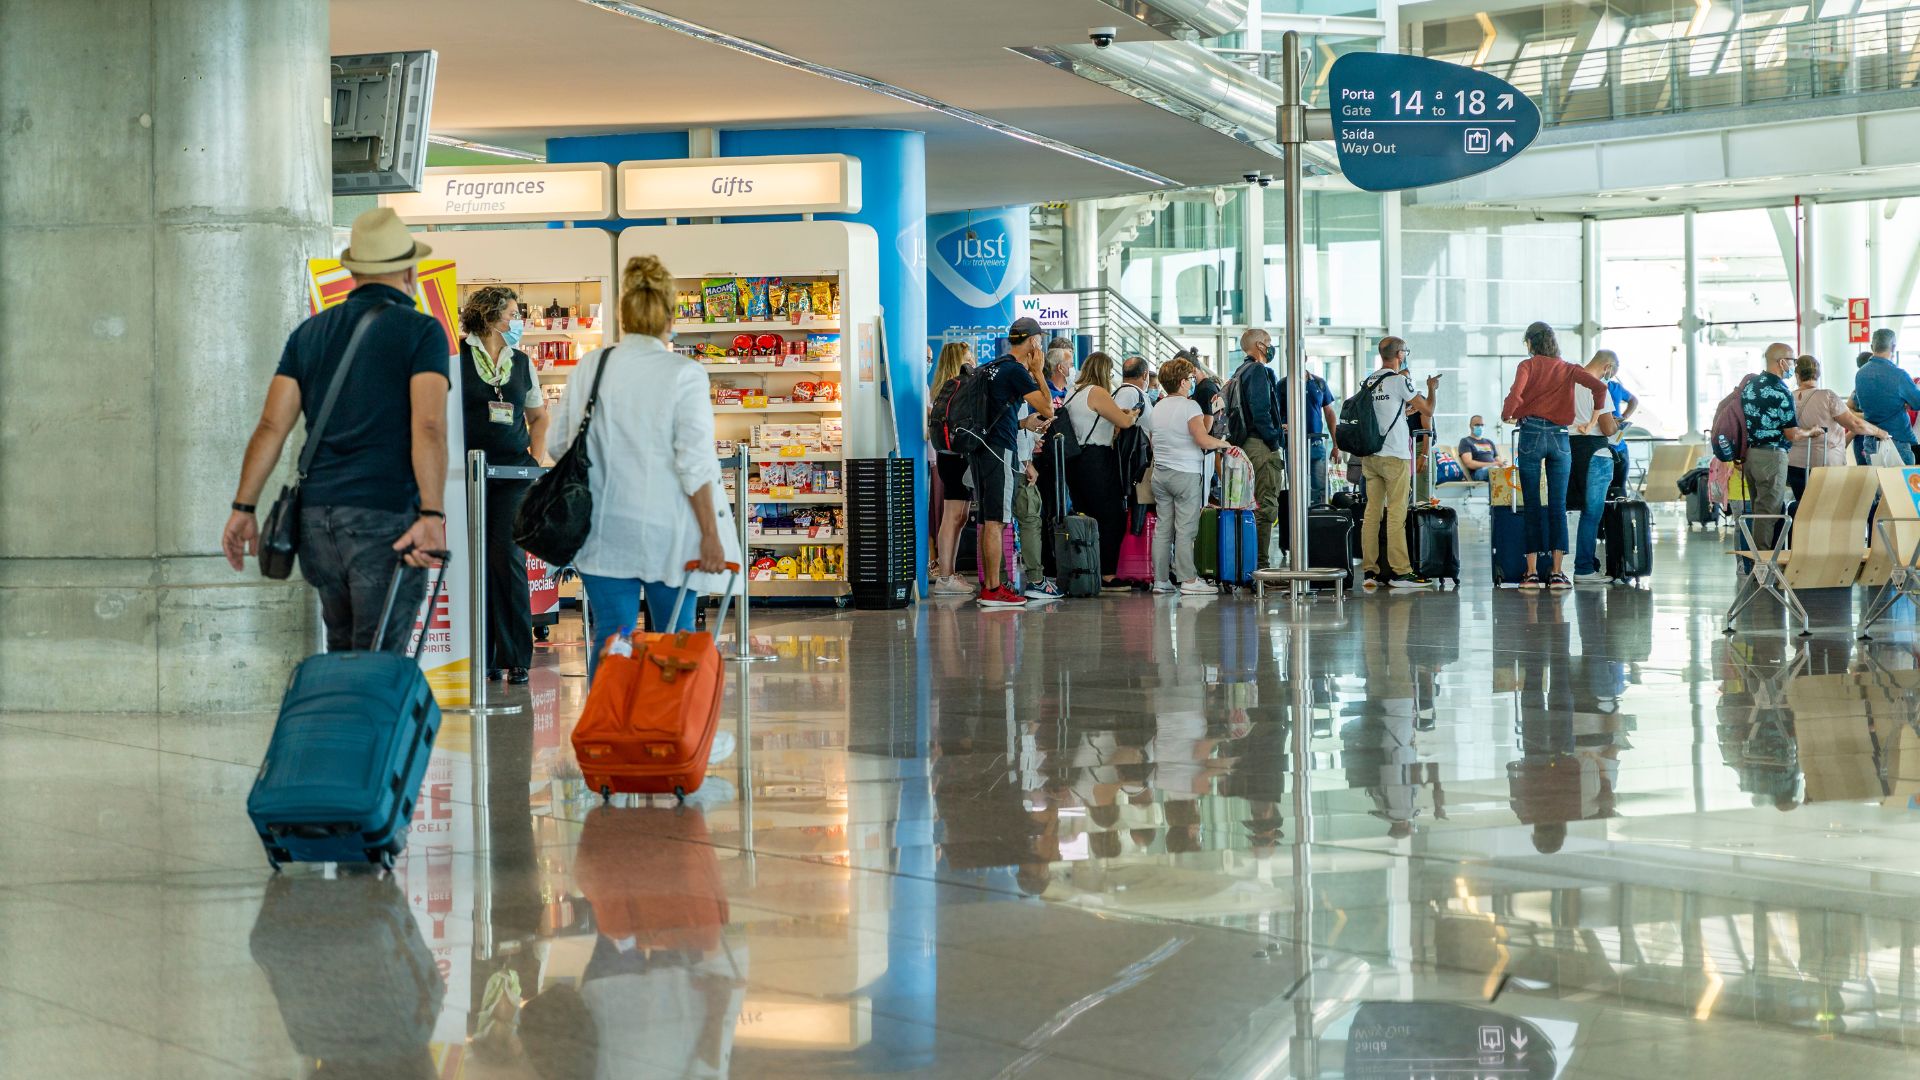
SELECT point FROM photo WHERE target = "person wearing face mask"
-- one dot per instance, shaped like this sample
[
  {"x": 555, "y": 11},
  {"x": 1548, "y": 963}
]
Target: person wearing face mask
[
  {"x": 1477, "y": 452},
  {"x": 375, "y": 486},
  {"x": 505, "y": 414},
  {"x": 1181, "y": 438},
  {"x": 1772, "y": 426}
]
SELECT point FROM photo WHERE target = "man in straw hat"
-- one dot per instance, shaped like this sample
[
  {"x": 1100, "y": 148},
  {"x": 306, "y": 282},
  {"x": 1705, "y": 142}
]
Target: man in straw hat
[{"x": 374, "y": 495}]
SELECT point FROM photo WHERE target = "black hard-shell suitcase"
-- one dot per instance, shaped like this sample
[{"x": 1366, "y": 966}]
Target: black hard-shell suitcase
[
  {"x": 1330, "y": 535},
  {"x": 1077, "y": 555},
  {"x": 1627, "y": 527},
  {"x": 349, "y": 750},
  {"x": 1433, "y": 543},
  {"x": 356, "y": 984}
]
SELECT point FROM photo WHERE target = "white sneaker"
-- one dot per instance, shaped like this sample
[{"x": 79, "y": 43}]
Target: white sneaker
[
  {"x": 1598, "y": 577},
  {"x": 952, "y": 585},
  {"x": 1161, "y": 588},
  {"x": 1197, "y": 587}
]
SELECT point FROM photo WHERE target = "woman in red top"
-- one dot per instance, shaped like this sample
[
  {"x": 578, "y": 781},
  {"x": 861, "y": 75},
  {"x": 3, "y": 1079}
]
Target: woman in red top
[{"x": 1541, "y": 403}]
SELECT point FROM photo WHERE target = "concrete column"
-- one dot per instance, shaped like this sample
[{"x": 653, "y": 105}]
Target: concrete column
[
  {"x": 166, "y": 181},
  {"x": 1253, "y": 255},
  {"x": 1080, "y": 245}
]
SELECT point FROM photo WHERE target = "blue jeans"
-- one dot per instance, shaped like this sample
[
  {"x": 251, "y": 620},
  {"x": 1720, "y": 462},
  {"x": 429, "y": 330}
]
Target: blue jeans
[
  {"x": 1544, "y": 446},
  {"x": 1317, "y": 469},
  {"x": 1865, "y": 445},
  {"x": 1599, "y": 475},
  {"x": 613, "y": 604}
]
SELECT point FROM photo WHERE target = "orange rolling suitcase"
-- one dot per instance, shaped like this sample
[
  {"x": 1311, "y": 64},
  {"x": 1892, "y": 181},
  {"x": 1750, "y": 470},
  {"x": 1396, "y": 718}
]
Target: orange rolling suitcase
[{"x": 649, "y": 720}]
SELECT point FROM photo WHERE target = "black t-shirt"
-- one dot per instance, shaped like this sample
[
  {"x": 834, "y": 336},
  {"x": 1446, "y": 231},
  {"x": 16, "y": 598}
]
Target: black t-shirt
[
  {"x": 366, "y": 453},
  {"x": 1010, "y": 381},
  {"x": 1203, "y": 394},
  {"x": 505, "y": 444}
]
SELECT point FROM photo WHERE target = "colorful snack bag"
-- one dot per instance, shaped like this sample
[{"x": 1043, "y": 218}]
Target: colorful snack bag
[
  {"x": 799, "y": 300},
  {"x": 688, "y": 307},
  {"x": 757, "y": 298},
  {"x": 776, "y": 298},
  {"x": 835, "y": 297},
  {"x": 720, "y": 299},
  {"x": 822, "y": 298}
]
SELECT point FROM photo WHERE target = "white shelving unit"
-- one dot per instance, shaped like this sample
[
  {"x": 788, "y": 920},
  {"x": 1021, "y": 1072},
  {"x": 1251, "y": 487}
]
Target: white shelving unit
[{"x": 842, "y": 253}]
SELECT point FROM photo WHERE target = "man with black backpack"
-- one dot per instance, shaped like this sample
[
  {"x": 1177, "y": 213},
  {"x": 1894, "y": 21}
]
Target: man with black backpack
[
  {"x": 981, "y": 424},
  {"x": 1253, "y": 425},
  {"x": 1373, "y": 428}
]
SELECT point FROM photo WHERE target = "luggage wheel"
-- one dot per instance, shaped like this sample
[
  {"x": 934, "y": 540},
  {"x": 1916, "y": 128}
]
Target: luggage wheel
[
  {"x": 606, "y": 794},
  {"x": 680, "y": 796}
]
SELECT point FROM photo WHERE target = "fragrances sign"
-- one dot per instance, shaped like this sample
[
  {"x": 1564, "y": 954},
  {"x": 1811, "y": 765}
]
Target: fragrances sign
[{"x": 479, "y": 194}]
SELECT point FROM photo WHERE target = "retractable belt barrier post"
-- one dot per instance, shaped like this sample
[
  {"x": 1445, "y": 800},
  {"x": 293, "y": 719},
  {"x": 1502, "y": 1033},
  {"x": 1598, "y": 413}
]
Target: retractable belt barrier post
[
  {"x": 742, "y": 652},
  {"x": 478, "y": 473}
]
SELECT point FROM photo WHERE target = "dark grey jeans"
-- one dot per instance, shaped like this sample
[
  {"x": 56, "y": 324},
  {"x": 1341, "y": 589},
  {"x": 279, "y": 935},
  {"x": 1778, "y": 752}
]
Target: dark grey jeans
[{"x": 346, "y": 554}]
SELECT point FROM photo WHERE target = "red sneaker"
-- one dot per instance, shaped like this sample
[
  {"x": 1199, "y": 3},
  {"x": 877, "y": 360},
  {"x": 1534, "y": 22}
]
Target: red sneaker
[{"x": 1002, "y": 597}]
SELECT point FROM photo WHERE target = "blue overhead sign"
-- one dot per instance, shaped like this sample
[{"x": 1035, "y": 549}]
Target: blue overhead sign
[{"x": 1407, "y": 121}]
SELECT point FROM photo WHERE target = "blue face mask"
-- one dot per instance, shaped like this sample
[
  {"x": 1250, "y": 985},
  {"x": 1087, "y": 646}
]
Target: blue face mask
[
  {"x": 515, "y": 327},
  {"x": 1479, "y": 429}
]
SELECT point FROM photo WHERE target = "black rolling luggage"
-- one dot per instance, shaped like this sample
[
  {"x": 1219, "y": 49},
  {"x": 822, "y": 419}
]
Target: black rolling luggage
[
  {"x": 1627, "y": 527},
  {"x": 1330, "y": 537},
  {"x": 1433, "y": 543},
  {"x": 1076, "y": 541}
]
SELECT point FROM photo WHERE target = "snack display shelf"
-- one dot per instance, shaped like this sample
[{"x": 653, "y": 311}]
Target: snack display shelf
[
  {"x": 808, "y": 366},
  {"x": 700, "y": 326},
  {"x": 796, "y": 587},
  {"x": 783, "y": 407},
  {"x": 793, "y": 541},
  {"x": 576, "y": 332},
  {"x": 758, "y": 456},
  {"x": 804, "y": 497}
]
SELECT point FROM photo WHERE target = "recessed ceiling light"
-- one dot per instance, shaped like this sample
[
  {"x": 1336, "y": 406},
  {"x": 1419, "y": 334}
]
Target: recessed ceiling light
[{"x": 898, "y": 93}]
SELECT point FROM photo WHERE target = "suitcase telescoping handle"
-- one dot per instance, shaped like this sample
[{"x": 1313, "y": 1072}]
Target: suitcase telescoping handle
[
  {"x": 393, "y": 593},
  {"x": 725, "y": 597}
]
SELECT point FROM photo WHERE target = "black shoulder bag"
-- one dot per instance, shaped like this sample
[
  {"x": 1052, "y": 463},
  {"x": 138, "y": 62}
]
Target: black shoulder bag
[
  {"x": 557, "y": 513},
  {"x": 280, "y": 533}
]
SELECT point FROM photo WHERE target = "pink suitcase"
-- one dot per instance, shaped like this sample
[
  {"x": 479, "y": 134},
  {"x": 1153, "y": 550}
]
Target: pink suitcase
[
  {"x": 1136, "y": 556},
  {"x": 1010, "y": 566}
]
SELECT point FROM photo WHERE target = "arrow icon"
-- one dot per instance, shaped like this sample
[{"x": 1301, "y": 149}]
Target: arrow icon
[
  {"x": 1506, "y": 101},
  {"x": 1504, "y": 142},
  {"x": 1519, "y": 1039}
]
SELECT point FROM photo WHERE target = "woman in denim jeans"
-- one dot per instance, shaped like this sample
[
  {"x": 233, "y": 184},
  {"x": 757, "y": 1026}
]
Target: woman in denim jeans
[
  {"x": 1596, "y": 426},
  {"x": 1541, "y": 404}
]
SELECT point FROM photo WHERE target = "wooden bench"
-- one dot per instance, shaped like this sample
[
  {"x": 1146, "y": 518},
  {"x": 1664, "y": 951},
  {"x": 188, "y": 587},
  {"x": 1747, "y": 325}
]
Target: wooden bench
[
  {"x": 1823, "y": 547},
  {"x": 1670, "y": 461}
]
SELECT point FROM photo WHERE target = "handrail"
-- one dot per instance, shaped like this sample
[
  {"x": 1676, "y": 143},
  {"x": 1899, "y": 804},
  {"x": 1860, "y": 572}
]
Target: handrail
[{"x": 1122, "y": 328}]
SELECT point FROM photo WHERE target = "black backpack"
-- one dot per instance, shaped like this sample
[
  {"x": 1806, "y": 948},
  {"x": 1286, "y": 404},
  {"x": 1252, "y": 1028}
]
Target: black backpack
[
  {"x": 1062, "y": 440},
  {"x": 969, "y": 413},
  {"x": 1359, "y": 432},
  {"x": 1238, "y": 427}
]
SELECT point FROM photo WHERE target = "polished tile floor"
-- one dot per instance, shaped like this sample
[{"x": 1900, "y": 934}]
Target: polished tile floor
[{"x": 1461, "y": 834}]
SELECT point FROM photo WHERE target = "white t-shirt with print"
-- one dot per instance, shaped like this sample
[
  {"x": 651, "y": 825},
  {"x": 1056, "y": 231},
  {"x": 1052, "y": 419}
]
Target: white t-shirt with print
[{"x": 1390, "y": 399}]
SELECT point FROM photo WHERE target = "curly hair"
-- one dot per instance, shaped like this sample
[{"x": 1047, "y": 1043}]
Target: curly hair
[
  {"x": 1541, "y": 340},
  {"x": 484, "y": 306}
]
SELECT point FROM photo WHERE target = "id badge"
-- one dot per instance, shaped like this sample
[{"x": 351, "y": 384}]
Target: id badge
[{"x": 500, "y": 412}]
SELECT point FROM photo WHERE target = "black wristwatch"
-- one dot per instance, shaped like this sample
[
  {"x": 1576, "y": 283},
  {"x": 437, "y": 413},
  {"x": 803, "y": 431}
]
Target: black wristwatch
[
  {"x": 433, "y": 514},
  {"x": 245, "y": 508}
]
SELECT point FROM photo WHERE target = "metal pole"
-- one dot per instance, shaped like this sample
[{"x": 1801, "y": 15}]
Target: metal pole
[
  {"x": 477, "y": 589},
  {"x": 1690, "y": 317},
  {"x": 1304, "y": 1049},
  {"x": 742, "y": 652},
  {"x": 1293, "y": 134}
]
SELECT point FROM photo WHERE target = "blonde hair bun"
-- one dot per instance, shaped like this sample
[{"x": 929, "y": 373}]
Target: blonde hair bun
[{"x": 646, "y": 296}]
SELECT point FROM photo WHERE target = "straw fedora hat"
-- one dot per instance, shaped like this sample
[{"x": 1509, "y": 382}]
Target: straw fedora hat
[{"x": 381, "y": 244}]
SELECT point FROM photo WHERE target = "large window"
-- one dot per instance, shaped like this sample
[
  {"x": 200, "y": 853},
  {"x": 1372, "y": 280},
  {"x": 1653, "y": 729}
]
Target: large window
[
  {"x": 1642, "y": 280},
  {"x": 1184, "y": 267},
  {"x": 1341, "y": 240}
]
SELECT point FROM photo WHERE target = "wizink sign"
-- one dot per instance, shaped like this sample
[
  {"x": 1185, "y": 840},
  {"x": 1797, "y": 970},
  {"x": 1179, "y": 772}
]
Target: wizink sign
[
  {"x": 722, "y": 187},
  {"x": 501, "y": 193},
  {"x": 977, "y": 260},
  {"x": 1054, "y": 311}
]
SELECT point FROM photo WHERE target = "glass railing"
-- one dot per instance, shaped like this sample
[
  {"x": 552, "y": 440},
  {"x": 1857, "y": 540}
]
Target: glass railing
[{"x": 1856, "y": 54}]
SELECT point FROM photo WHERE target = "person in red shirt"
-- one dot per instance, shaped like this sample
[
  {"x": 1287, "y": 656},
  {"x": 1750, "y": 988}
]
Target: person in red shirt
[{"x": 1541, "y": 403}]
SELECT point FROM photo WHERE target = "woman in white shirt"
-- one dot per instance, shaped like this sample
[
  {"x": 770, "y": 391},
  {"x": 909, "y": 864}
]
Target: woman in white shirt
[
  {"x": 1593, "y": 430},
  {"x": 655, "y": 477},
  {"x": 1181, "y": 438},
  {"x": 1093, "y": 478}
]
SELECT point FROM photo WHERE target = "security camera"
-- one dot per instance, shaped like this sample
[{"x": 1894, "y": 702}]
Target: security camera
[
  {"x": 1102, "y": 36},
  {"x": 1250, "y": 177},
  {"x": 1266, "y": 181}
]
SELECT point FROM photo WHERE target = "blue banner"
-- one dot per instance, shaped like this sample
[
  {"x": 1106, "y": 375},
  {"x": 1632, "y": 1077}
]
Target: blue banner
[{"x": 977, "y": 261}]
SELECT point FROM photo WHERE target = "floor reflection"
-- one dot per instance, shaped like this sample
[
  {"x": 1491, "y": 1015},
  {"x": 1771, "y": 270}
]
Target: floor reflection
[{"x": 1462, "y": 834}]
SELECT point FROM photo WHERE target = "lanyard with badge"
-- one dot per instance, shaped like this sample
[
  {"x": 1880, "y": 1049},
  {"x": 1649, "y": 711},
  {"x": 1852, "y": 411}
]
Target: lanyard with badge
[{"x": 496, "y": 375}]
